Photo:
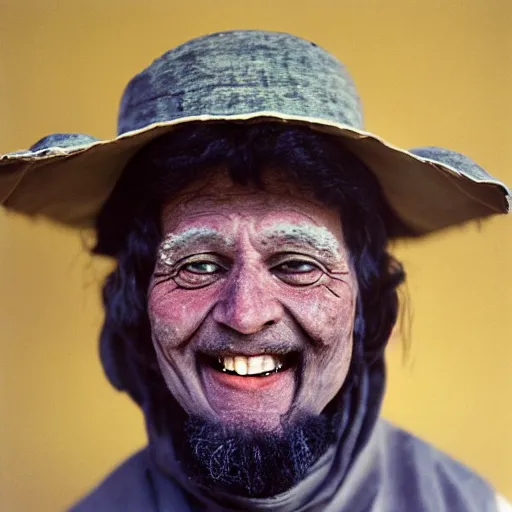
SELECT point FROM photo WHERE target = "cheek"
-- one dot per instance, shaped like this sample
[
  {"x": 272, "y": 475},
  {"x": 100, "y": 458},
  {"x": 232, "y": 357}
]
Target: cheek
[
  {"x": 325, "y": 312},
  {"x": 176, "y": 313},
  {"x": 332, "y": 370},
  {"x": 327, "y": 316}
]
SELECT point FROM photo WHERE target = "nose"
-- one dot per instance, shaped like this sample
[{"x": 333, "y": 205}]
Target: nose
[{"x": 248, "y": 304}]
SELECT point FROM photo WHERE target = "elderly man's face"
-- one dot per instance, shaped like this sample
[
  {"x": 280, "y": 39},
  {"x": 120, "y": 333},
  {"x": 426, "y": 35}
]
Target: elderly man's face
[{"x": 252, "y": 302}]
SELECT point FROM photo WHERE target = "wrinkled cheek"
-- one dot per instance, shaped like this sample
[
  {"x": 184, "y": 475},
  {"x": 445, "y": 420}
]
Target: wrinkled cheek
[
  {"x": 325, "y": 371},
  {"x": 326, "y": 314},
  {"x": 335, "y": 365},
  {"x": 175, "y": 314}
]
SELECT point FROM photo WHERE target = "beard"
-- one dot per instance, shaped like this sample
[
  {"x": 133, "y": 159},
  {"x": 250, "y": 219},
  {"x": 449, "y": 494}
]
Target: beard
[
  {"x": 252, "y": 464},
  {"x": 244, "y": 462}
]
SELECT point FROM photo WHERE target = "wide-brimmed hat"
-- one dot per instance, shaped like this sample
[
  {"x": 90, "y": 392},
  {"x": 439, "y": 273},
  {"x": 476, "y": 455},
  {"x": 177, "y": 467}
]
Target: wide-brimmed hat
[{"x": 245, "y": 77}]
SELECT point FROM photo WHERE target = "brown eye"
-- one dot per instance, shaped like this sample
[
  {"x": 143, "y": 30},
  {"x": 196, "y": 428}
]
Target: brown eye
[
  {"x": 298, "y": 272},
  {"x": 198, "y": 273}
]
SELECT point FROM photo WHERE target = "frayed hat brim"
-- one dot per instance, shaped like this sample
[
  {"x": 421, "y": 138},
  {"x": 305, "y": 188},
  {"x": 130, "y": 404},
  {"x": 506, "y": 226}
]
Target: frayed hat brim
[{"x": 67, "y": 177}]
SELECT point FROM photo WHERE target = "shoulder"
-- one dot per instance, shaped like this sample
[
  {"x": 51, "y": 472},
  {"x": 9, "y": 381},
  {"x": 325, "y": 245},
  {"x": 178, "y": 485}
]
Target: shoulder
[
  {"x": 417, "y": 466},
  {"x": 127, "y": 488}
]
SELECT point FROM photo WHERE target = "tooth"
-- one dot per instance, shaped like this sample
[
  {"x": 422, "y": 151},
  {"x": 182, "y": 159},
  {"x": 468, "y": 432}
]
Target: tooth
[
  {"x": 255, "y": 365},
  {"x": 229, "y": 364},
  {"x": 241, "y": 365},
  {"x": 269, "y": 363}
]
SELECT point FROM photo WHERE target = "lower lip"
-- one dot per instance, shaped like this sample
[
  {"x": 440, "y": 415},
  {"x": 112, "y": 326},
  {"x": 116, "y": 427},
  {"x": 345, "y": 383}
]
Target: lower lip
[
  {"x": 237, "y": 382},
  {"x": 255, "y": 401}
]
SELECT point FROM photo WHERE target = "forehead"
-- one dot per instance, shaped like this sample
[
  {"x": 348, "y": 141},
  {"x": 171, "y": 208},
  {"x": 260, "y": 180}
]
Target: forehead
[{"x": 279, "y": 205}]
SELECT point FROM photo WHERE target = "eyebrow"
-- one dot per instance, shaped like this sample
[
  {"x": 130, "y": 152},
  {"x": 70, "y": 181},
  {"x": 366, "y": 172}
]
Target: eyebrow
[
  {"x": 318, "y": 238},
  {"x": 194, "y": 236}
]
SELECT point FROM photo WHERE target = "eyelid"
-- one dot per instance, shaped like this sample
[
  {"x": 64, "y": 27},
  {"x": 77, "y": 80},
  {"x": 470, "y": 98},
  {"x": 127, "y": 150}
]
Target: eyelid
[
  {"x": 204, "y": 257},
  {"x": 294, "y": 256},
  {"x": 189, "y": 279}
]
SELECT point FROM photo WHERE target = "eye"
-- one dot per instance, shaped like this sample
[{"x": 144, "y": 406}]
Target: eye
[
  {"x": 196, "y": 274},
  {"x": 202, "y": 267},
  {"x": 298, "y": 272}
]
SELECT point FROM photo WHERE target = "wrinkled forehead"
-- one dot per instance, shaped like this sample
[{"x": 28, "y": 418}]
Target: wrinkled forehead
[
  {"x": 217, "y": 187},
  {"x": 278, "y": 205}
]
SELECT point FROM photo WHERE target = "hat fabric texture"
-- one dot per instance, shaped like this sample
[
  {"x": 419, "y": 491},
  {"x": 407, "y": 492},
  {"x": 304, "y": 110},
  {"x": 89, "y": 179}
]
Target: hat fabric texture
[{"x": 245, "y": 77}]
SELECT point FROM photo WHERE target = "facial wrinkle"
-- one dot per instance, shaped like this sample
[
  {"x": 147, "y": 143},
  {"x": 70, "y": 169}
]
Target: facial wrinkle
[
  {"x": 187, "y": 389},
  {"x": 332, "y": 291},
  {"x": 263, "y": 226}
]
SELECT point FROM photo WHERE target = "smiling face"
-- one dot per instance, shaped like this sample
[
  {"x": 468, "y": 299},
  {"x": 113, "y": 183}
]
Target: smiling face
[{"x": 252, "y": 302}]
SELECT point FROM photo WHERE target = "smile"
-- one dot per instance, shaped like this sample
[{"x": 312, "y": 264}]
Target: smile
[{"x": 263, "y": 365}]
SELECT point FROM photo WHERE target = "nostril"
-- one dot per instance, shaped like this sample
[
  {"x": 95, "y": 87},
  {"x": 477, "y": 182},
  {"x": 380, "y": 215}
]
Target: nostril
[{"x": 270, "y": 322}]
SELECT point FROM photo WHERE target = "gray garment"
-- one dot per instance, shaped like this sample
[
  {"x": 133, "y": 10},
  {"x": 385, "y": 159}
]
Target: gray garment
[{"x": 395, "y": 472}]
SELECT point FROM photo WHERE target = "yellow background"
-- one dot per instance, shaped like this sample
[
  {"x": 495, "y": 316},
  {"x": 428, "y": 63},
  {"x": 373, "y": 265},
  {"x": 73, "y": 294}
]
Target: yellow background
[{"x": 429, "y": 72}]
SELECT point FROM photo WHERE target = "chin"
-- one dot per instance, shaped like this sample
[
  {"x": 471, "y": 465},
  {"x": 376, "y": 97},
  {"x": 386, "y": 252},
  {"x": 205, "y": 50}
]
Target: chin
[
  {"x": 252, "y": 460},
  {"x": 247, "y": 403}
]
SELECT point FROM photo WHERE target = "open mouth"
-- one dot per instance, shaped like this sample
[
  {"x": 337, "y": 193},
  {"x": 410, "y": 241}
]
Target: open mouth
[
  {"x": 256, "y": 389},
  {"x": 262, "y": 365}
]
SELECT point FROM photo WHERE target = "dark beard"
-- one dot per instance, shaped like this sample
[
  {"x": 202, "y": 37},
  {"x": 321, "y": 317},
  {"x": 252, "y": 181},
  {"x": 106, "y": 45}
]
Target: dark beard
[{"x": 252, "y": 464}]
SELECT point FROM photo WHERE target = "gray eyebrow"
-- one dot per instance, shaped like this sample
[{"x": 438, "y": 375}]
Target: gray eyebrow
[
  {"x": 175, "y": 241},
  {"x": 318, "y": 237}
]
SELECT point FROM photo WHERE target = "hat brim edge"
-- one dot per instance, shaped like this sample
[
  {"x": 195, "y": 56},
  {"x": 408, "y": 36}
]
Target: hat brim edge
[{"x": 355, "y": 137}]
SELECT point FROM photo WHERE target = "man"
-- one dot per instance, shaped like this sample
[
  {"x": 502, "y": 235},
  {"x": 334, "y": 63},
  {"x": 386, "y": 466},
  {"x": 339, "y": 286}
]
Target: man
[{"x": 249, "y": 214}]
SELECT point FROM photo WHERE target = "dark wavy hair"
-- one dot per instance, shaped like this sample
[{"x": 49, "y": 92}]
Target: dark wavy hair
[{"x": 129, "y": 229}]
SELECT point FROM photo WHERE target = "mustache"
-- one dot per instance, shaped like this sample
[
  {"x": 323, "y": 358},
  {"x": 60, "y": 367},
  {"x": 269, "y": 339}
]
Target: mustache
[{"x": 248, "y": 345}]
